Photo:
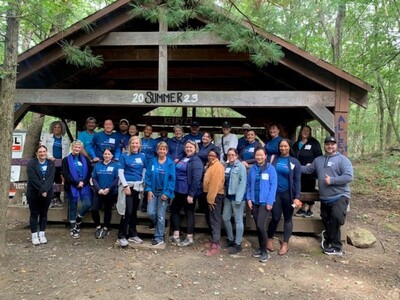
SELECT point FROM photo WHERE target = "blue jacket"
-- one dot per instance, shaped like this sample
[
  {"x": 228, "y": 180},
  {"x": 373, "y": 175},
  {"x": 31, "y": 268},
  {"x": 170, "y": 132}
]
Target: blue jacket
[
  {"x": 176, "y": 148},
  {"x": 169, "y": 178},
  {"x": 237, "y": 181},
  {"x": 294, "y": 176},
  {"x": 195, "y": 170},
  {"x": 268, "y": 185}
]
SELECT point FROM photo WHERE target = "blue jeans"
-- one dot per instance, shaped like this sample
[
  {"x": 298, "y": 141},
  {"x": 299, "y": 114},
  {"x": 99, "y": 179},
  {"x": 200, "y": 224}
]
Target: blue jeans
[
  {"x": 73, "y": 207},
  {"x": 156, "y": 209},
  {"x": 230, "y": 207}
]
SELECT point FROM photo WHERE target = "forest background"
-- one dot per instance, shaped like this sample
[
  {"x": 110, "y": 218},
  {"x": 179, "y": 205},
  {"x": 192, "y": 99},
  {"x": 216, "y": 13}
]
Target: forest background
[{"x": 361, "y": 37}]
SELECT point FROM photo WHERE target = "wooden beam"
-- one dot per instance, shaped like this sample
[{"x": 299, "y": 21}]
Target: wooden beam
[
  {"x": 163, "y": 59},
  {"x": 160, "y": 38},
  {"x": 341, "y": 115},
  {"x": 135, "y": 98},
  {"x": 174, "y": 54},
  {"x": 324, "y": 116}
]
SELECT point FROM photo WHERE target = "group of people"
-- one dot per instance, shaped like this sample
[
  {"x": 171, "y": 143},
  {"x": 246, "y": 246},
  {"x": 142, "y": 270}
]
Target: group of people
[{"x": 108, "y": 167}]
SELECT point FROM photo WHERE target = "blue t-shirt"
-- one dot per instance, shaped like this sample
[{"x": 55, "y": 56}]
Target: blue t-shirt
[
  {"x": 181, "y": 183},
  {"x": 124, "y": 139},
  {"x": 149, "y": 148},
  {"x": 105, "y": 174},
  {"x": 101, "y": 141},
  {"x": 86, "y": 138},
  {"x": 249, "y": 150},
  {"x": 133, "y": 165},
  {"x": 282, "y": 170},
  {"x": 43, "y": 168},
  {"x": 195, "y": 138},
  {"x": 57, "y": 147},
  {"x": 272, "y": 147},
  {"x": 228, "y": 170},
  {"x": 79, "y": 167},
  {"x": 160, "y": 170}
]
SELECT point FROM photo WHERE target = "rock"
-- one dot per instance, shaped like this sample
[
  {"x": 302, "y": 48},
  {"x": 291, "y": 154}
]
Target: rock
[{"x": 361, "y": 238}]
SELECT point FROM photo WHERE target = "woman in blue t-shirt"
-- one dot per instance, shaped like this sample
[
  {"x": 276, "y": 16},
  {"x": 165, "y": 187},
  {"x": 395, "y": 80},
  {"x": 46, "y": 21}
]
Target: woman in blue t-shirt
[
  {"x": 189, "y": 171},
  {"x": 131, "y": 170},
  {"x": 288, "y": 169},
  {"x": 105, "y": 182},
  {"x": 274, "y": 137}
]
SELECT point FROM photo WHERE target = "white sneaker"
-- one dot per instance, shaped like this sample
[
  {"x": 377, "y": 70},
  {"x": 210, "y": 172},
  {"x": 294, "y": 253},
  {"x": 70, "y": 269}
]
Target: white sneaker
[
  {"x": 123, "y": 242},
  {"x": 35, "y": 239},
  {"x": 42, "y": 237},
  {"x": 135, "y": 239}
]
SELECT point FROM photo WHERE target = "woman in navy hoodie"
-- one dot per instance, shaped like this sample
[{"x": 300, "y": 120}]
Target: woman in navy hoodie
[
  {"x": 189, "y": 171},
  {"x": 288, "y": 170}
]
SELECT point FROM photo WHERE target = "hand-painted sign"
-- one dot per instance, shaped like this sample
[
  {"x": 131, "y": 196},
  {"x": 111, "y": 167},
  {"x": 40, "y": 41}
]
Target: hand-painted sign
[{"x": 157, "y": 98}]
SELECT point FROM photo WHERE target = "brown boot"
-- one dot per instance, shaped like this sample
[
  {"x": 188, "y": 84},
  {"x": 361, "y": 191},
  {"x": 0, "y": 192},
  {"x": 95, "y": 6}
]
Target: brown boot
[
  {"x": 284, "y": 248},
  {"x": 270, "y": 245}
]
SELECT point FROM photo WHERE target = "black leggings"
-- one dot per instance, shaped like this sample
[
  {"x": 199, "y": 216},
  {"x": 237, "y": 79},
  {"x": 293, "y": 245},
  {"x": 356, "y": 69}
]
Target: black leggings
[
  {"x": 97, "y": 202},
  {"x": 260, "y": 215},
  {"x": 179, "y": 202},
  {"x": 38, "y": 206},
  {"x": 283, "y": 204},
  {"x": 130, "y": 218}
]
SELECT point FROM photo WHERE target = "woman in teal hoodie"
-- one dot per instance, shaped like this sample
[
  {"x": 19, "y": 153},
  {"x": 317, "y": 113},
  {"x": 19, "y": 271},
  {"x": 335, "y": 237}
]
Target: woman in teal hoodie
[{"x": 160, "y": 185}]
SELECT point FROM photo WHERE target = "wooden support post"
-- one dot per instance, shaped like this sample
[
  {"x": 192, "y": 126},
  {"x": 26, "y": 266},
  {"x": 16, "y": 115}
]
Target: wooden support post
[
  {"x": 163, "y": 60},
  {"x": 342, "y": 115}
]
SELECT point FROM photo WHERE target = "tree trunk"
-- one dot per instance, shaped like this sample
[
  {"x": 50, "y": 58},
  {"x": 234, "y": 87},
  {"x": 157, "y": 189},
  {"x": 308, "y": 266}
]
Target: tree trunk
[
  {"x": 381, "y": 116},
  {"x": 7, "y": 96}
]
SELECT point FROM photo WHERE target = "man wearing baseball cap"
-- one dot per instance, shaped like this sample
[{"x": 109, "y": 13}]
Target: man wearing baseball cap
[
  {"x": 334, "y": 172},
  {"x": 243, "y": 140},
  {"x": 195, "y": 135},
  {"x": 124, "y": 135}
]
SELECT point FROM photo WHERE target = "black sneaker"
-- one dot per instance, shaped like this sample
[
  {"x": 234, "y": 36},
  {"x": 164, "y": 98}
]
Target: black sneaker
[
  {"x": 156, "y": 243},
  {"x": 228, "y": 244},
  {"x": 300, "y": 213},
  {"x": 104, "y": 233},
  {"x": 256, "y": 253},
  {"x": 333, "y": 251},
  {"x": 235, "y": 249},
  {"x": 308, "y": 214},
  {"x": 98, "y": 232},
  {"x": 264, "y": 256},
  {"x": 152, "y": 226}
]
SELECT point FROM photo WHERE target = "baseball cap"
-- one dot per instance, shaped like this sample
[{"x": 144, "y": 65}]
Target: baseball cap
[
  {"x": 226, "y": 124},
  {"x": 124, "y": 120},
  {"x": 330, "y": 139},
  {"x": 195, "y": 124},
  {"x": 246, "y": 126}
]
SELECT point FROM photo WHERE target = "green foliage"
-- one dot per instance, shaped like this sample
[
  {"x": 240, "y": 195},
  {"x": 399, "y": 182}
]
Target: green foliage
[
  {"x": 80, "y": 57},
  {"x": 177, "y": 13},
  {"x": 378, "y": 172}
]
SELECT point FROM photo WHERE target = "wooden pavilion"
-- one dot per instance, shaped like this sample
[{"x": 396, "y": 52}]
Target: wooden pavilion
[{"x": 141, "y": 72}]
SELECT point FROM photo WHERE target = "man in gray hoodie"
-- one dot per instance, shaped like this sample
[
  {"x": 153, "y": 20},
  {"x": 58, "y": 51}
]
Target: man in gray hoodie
[{"x": 334, "y": 172}]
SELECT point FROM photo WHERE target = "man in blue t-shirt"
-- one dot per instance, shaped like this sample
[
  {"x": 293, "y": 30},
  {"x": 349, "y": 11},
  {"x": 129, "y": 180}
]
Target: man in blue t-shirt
[
  {"x": 87, "y": 135},
  {"x": 105, "y": 139},
  {"x": 195, "y": 135}
]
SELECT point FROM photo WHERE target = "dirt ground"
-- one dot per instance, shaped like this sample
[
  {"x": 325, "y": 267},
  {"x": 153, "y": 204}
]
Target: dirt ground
[{"x": 96, "y": 269}]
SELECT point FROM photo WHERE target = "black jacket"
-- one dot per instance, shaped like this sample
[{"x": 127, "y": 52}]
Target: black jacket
[
  {"x": 38, "y": 185},
  {"x": 307, "y": 153}
]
